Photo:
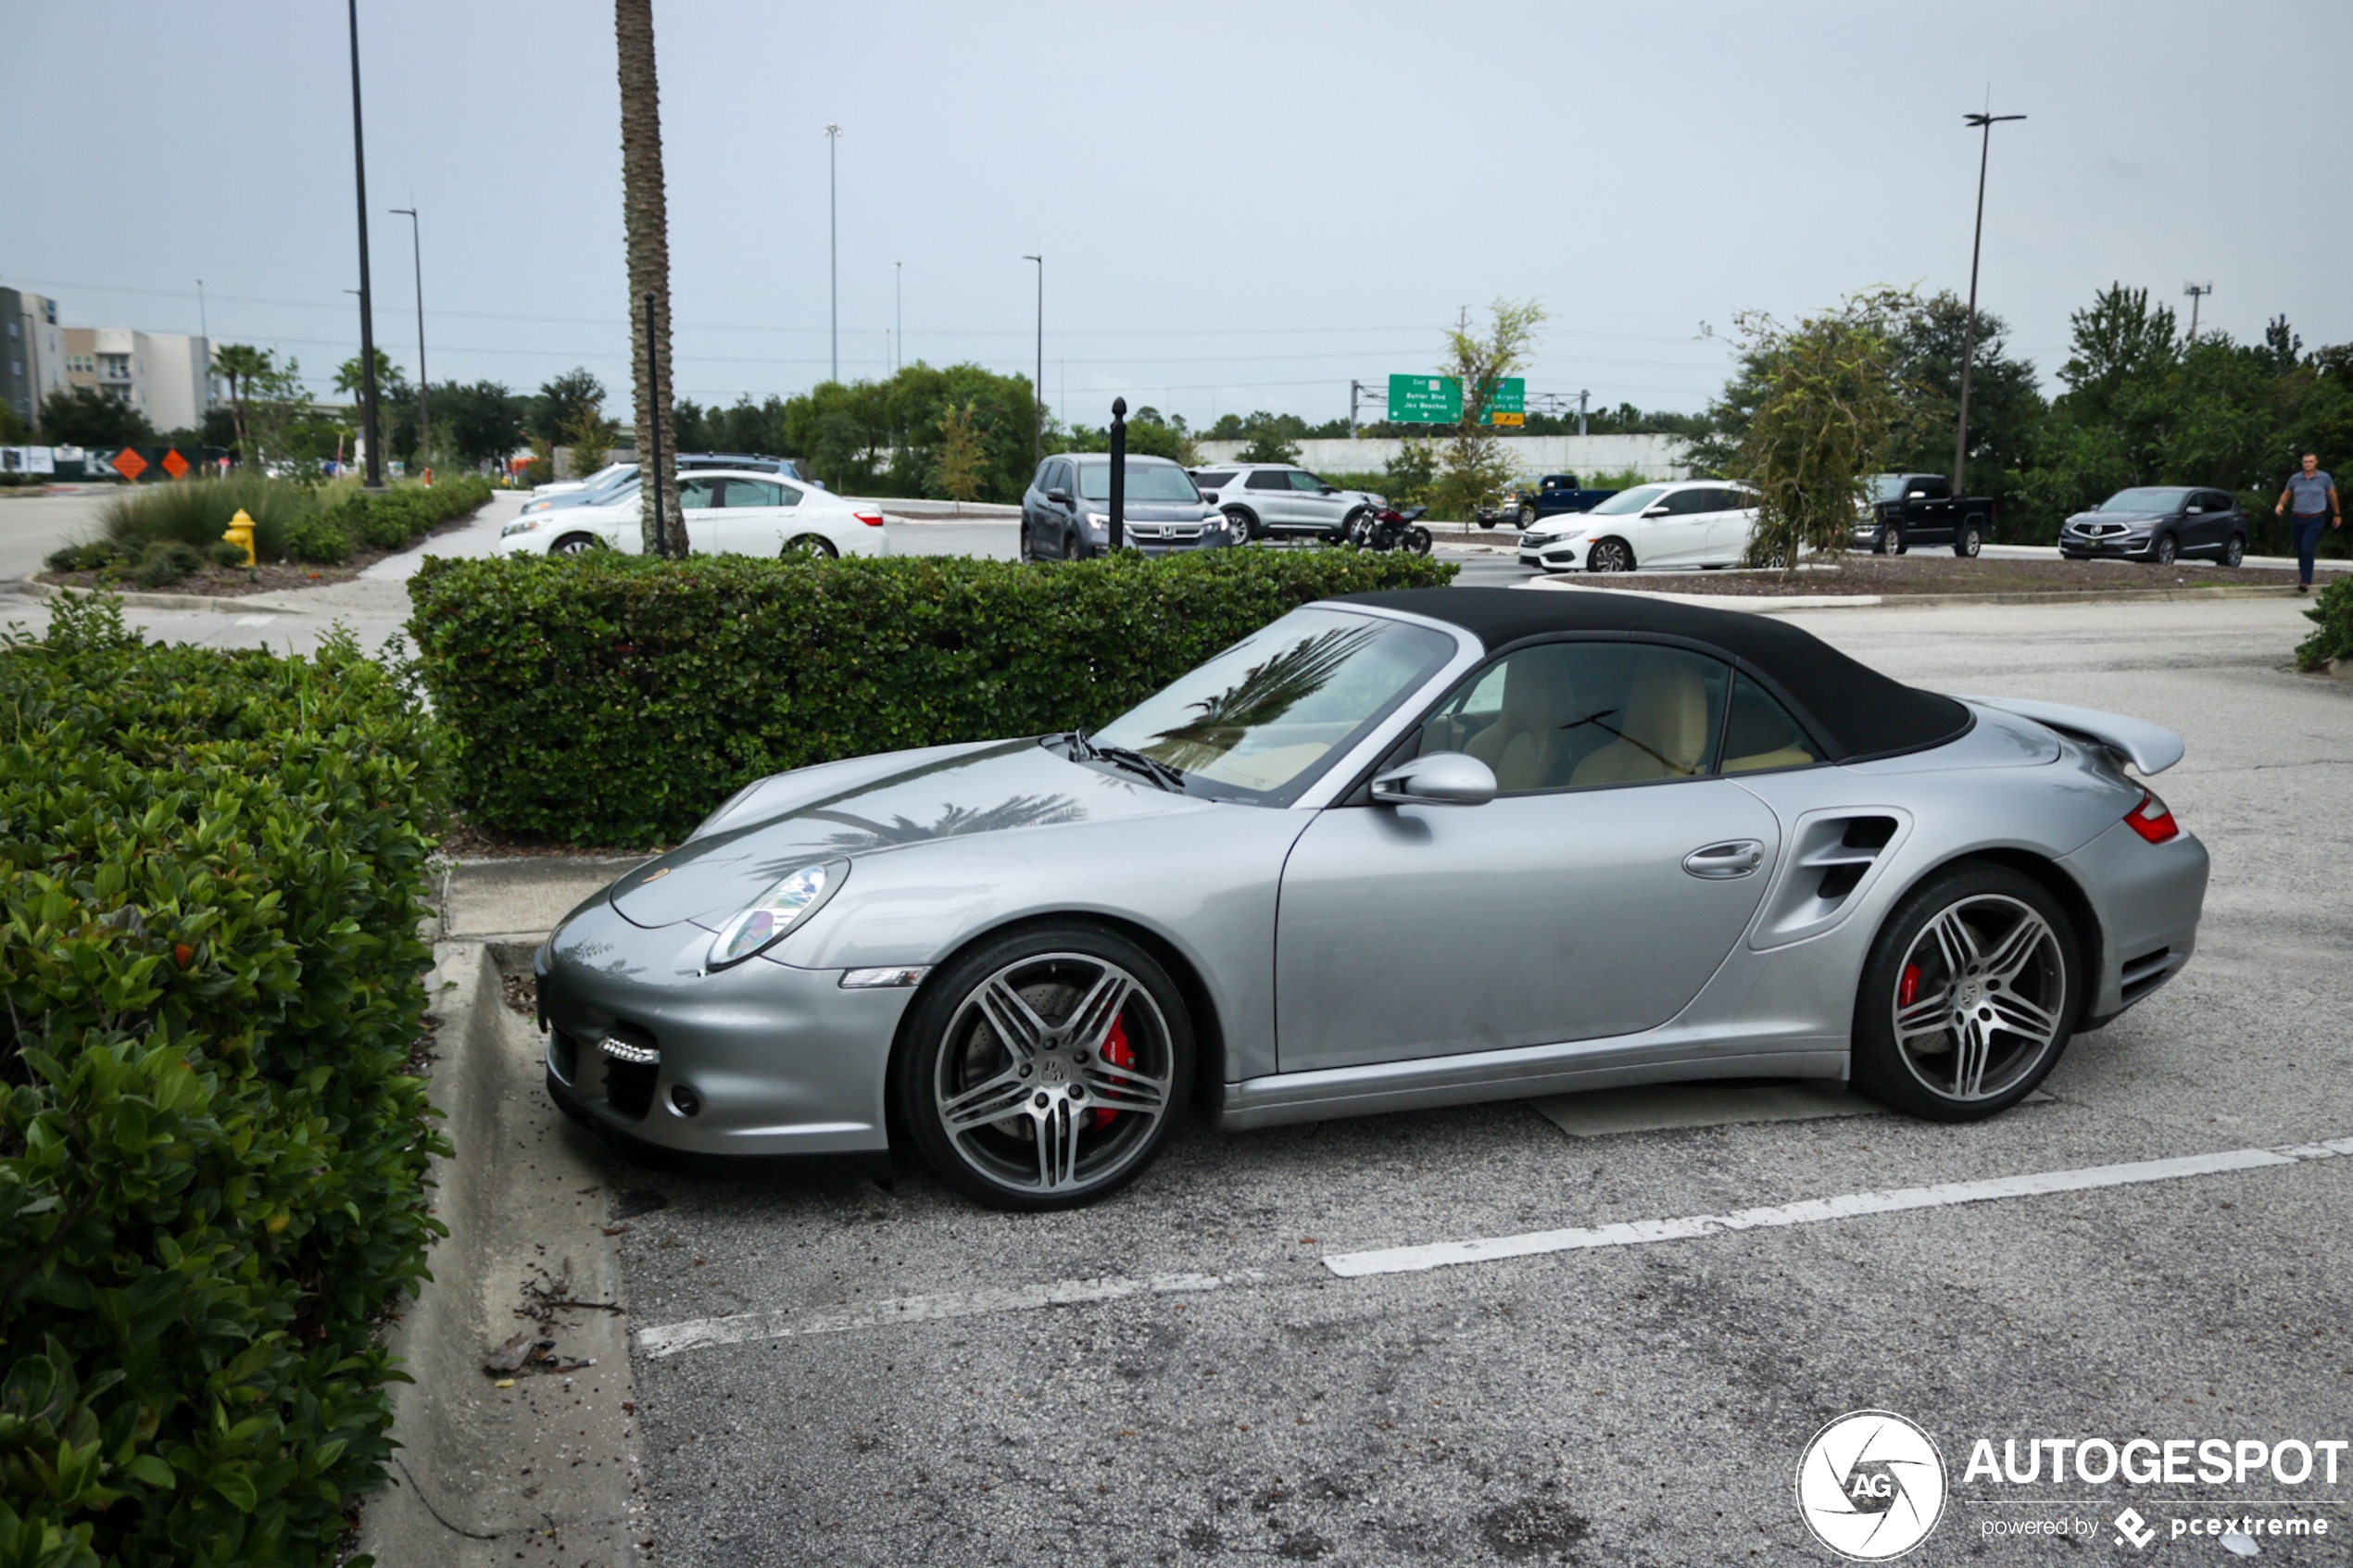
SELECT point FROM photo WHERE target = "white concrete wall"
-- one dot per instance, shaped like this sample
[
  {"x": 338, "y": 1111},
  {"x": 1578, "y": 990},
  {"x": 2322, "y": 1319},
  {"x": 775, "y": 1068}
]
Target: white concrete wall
[
  {"x": 1653, "y": 457},
  {"x": 179, "y": 390}
]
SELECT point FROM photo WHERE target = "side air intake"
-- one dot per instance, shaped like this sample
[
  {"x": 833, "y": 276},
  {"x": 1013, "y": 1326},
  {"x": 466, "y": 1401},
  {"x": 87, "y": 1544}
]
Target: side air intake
[{"x": 1837, "y": 854}]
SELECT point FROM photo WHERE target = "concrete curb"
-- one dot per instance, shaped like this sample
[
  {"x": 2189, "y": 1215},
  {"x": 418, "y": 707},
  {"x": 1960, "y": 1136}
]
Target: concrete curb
[
  {"x": 1775, "y": 605},
  {"x": 543, "y": 1471},
  {"x": 32, "y": 588}
]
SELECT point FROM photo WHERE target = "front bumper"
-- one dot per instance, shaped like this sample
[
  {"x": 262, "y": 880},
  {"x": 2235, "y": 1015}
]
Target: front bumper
[
  {"x": 2076, "y": 545},
  {"x": 1553, "y": 554},
  {"x": 773, "y": 1060}
]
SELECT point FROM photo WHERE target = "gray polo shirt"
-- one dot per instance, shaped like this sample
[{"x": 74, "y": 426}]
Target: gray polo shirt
[{"x": 2309, "y": 493}]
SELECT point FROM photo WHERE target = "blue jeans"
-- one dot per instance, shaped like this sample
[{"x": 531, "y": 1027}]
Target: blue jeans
[{"x": 2308, "y": 539}]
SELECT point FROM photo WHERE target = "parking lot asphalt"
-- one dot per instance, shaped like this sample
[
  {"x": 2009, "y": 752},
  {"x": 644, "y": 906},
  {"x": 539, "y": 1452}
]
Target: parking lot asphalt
[{"x": 834, "y": 1370}]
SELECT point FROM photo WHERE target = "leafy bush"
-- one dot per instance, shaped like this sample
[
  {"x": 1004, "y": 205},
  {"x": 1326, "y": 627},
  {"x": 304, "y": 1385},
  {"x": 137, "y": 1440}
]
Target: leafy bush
[
  {"x": 211, "y": 1154},
  {"x": 222, "y": 553},
  {"x": 321, "y": 540},
  {"x": 196, "y": 511},
  {"x": 95, "y": 556},
  {"x": 2334, "y": 612},
  {"x": 165, "y": 561},
  {"x": 393, "y": 520},
  {"x": 615, "y": 699}
]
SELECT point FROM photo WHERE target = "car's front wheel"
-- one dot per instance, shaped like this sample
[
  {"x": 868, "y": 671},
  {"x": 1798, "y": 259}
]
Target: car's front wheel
[
  {"x": 1244, "y": 523},
  {"x": 1610, "y": 554},
  {"x": 1046, "y": 1069},
  {"x": 1527, "y": 515},
  {"x": 575, "y": 544},
  {"x": 1891, "y": 539},
  {"x": 1968, "y": 996},
  {"x": 2164, "y": 551}
]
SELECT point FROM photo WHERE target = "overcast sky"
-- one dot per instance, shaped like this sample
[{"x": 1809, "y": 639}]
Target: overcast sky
[{"x": 1240, "y": 205}]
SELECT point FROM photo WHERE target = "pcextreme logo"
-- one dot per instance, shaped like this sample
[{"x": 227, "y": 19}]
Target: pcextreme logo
[{"x": 1871, "y": 1486}]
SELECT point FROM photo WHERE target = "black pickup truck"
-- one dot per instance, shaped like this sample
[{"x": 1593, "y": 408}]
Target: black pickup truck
[{"x": 1904, "y": 510}]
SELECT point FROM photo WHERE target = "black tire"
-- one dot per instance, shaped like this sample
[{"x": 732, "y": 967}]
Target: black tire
[
  {"x": 815, "y": 546},
  {"x": 1023, "y": 551},
  {"x": 2234, "y": 552},
  {"x": 1072, "y": 549},
  {"x": 1926, "y": 1069},
  {"x": 1612, "y": 554},
  {"x": 2165, "y": 550},
  {"x": 1356, "y": 528},
  {"x": 1417, "y": 539},
  {"x": 955, "y": 1050},
  {"x": 1969, "y": 541},
  {"x": 1894, "y": 538},
  {"x": 1878, "y": 541},
  {"x": 1245, "y": 523},
  {"x": 575, "y": 544},
  {"x": 1526, "y": 516}
]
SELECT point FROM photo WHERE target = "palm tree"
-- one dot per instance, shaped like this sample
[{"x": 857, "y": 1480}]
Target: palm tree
[
  {"x": 239, "y": 363},
  {"x": 646, "y": 221}
]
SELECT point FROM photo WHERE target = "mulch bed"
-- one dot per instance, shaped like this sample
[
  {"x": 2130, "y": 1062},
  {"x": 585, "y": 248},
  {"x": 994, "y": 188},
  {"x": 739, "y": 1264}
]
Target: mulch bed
[{"x": 1897, "y": 575}]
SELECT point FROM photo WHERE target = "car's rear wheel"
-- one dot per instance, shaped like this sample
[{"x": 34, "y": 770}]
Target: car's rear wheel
[
  {"x": 2164, "y": 551},
  {"x": 1969, "y": 541},
  {"x": 1969, "y": 997},
  {"x": 575, "y": 544},
  {"x": 1610, "y": 554},
  {"x": 1046, "y": 1069},
  {"x": 2234, "y": 552},
  {"x": 810, "y": 546},
  {"x": 1245, "y": 523}
]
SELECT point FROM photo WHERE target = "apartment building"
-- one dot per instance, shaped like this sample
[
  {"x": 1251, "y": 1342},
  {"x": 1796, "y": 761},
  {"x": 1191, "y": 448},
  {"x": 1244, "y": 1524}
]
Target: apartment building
[
  {"x": 166, "y": 376},
  {"x": 32, "y": 351}
]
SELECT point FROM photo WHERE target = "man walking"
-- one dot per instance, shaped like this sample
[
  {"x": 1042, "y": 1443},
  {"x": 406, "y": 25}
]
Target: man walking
[{"x": 2313, "y": 493}]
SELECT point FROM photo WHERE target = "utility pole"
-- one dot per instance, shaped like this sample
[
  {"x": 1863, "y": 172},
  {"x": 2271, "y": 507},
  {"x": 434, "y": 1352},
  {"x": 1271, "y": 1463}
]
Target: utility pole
[
  {"x": 1582, "y": 399},
  {"x": 833, "y": 239},
  {"x": 366, "y": 320},
  {"x": 424, "y": 403},
  {"x": 897, "y": 319},
  {"x": 1355, "y": 390},
  {"x": 1037, "y": 424},
  {"x": 204, "y": 330},
  {"x": 1985, "y": 123},
  {"x": 2198, "y": 292}
]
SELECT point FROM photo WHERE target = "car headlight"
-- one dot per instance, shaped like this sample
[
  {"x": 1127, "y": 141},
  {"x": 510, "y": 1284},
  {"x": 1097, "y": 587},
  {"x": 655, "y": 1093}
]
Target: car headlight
[
  {"x": 1097, "y": 520},
  {"x": 523, "y": 525},
  {"x": 765, "y": 921}
]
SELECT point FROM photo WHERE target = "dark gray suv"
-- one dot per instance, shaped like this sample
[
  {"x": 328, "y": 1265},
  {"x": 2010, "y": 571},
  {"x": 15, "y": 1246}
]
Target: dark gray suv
[
  {"x": 1065, "y": 513},
  {"x": 2158, "y": 523}
]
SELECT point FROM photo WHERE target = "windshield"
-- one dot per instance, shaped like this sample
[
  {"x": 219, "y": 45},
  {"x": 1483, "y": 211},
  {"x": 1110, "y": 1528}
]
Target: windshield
[
  {"x": 2148, "y": 499},
  {"x": 1262, "y": 720},
  {"x": 1628, "y": 501},
  {"x": 1146, "y": 482},
  {"x": 1887, "y": 486}
]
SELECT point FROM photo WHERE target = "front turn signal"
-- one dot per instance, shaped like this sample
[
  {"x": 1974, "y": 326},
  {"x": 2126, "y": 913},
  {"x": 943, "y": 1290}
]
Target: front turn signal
[{"x": 2153, "y": 820}]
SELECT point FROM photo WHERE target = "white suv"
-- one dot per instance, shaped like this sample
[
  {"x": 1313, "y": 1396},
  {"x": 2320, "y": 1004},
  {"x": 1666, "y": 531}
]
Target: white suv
[
  {"x": 1282, "y": 500},
  {"x": 1699, "y": 522}
]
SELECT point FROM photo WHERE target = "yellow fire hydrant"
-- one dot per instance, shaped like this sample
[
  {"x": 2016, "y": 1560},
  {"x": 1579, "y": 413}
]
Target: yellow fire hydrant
[{"x": 241, "y": 533}]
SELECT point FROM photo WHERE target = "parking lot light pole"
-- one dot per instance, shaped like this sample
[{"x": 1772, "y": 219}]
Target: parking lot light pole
[
  {"x": 897, "y": 319},
  {"x": 1118, "y": 471},
  {"x": 367, "y": 323},
  {"x": 2198, "y": 292},
  {"x": 1037, "y": 389},
  {"x": 833, "y": 242},
  {"x": 1984, "y": 123},
  {"x": 425, "y": 404}
]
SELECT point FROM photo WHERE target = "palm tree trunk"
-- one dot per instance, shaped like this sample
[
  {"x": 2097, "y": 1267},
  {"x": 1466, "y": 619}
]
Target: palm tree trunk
[{"x": 646, "y": 221}]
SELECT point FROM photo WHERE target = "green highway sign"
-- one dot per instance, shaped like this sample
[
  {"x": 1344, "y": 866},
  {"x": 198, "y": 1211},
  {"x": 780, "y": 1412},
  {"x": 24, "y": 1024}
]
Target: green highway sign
[
  {"x": 1424, "y": 400},
  {"x": 1438, "y": 400}
]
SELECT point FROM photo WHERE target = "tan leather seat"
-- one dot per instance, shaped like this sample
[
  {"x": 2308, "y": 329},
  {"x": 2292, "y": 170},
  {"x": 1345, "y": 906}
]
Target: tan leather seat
[
  {"x": 1663, "y": 733},
  {"x": 1524, "y": 741}
]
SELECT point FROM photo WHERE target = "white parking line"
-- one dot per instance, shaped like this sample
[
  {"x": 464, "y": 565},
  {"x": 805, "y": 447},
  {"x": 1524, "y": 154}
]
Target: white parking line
[
  {"x": 1446, "y": 1254},
  {"x": 696, "y": 1334}
]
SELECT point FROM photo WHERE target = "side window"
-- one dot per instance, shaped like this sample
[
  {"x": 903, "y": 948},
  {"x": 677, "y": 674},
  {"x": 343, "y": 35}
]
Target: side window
[
  {"x": 1936, "y": 486},
  {"x": 1213, "y": 481},
  {"x": 1761, "y": 734},
  {"x": 754, "y": 493},
  {"x": 1267, "y": 479},
  {"x": 1563, "y": 715},
  {"x": 1301, "y": 480},
  {"x": 1685, "y": 502},
  {"x": 1064, "y": 480},
  {"x": 1045, "y": 480},
  {"x": 695, "y": 494}
]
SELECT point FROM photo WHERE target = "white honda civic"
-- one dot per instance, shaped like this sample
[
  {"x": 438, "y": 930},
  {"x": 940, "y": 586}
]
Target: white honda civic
[
  {"x": 726, "y": 511},
  {"x": 1695, "y": 524}
]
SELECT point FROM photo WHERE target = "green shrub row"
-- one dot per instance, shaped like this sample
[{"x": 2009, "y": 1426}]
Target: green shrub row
[
  {"x": 2334, "y": 612},
  {"x": 212, "y": 1154},
  {"x": 291, "y": 521},
  {"x": 616, "y": 699}
]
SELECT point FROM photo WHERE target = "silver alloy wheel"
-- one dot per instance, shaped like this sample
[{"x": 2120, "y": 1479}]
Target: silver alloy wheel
[
  {"x": 2165, "y": 550},
  {"x": 1527, "y": 515},
  {"x": 1243, "y": 525},
  {"x": 1610, "y": 554},
  {"x": 1970, "y": 541},
  {"x": 817, "y": 546},
  {"x": 1980, "y": 998},
  {"x": 1030, "y": 1086},
  {"x": 2235, "y": 551}
]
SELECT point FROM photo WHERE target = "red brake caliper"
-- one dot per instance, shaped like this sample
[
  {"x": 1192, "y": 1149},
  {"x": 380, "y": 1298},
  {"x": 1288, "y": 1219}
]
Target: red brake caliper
[
  {"x": 1907, "y": 989},
  {"x": 1120, "y": 1054}
]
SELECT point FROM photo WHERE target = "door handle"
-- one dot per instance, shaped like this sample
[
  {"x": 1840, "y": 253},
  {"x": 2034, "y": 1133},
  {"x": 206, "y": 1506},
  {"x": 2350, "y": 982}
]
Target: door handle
[{"x": 1721, "y": 863}]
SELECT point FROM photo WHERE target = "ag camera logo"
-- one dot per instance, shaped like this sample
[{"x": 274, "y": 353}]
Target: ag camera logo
[{"x": 1871, "y": 1486}]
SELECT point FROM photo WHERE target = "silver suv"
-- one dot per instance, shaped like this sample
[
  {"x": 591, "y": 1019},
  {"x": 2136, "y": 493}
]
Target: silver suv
[{"x": 1280, "y": 500}]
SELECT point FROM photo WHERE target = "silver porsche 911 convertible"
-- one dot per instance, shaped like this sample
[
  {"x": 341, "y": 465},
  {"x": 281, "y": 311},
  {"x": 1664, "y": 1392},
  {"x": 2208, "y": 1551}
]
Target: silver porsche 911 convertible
[{"x": 1393, "y": 850}]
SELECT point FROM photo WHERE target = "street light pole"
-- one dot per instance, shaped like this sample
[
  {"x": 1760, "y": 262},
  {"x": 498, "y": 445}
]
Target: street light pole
[
  {"x": 1038, "y": 423},
  {"x": 897, "y": 319},
  {"x": 366, "y": 320},
  {"x": 2198, "y": 292},
  {"x": 833, "y": 239},
  {"x": 1985, "y": 122},
  {"x": 424, "y": 403}
]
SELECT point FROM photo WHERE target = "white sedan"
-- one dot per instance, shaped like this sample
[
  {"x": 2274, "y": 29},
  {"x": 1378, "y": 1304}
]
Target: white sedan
[
  {"x": 1702, "y": 522},
  {"x": 727, "y": 512}
]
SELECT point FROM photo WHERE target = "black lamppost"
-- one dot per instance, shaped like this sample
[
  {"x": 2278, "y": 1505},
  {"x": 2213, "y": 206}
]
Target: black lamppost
[
  {"x": 367, "y": 319},
  {"x": 1118, "y": 471},
  {"x": 425, "y": 404},
  {"x": 1037, "y": 389},
  {"x": 1985, "y": 122}
]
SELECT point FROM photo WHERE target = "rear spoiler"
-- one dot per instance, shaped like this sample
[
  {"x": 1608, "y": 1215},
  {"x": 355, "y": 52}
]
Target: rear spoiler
[{"x": 2150, "y": 748}]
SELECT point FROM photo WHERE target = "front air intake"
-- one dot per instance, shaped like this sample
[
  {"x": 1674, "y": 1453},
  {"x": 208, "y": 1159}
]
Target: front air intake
[{"x": 1835, "y": 856}]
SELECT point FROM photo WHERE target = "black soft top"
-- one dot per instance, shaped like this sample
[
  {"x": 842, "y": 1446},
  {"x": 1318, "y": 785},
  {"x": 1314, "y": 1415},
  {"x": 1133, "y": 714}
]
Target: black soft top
[{"x": 1856, "y": 711}]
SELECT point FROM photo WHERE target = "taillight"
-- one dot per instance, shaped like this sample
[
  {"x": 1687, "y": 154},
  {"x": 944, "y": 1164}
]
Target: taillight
[
  {"x": 2153, "y": 820},
  {"x": 872, "y": 520}
]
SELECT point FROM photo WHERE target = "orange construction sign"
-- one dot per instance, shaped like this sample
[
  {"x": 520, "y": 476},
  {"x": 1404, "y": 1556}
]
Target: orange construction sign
[
  {"x": 174, "y": 464},
  {"x": 130, "y": 464}
]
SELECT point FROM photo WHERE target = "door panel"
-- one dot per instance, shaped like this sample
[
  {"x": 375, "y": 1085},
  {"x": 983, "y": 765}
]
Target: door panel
[
  {"x": 755, "y": 516},
  {"x": 698, "y": 508},
  {"x": 1424, "y": 931},
  {"x": 1727, "y": 535},
  {"x": 1681, "y": 538}
]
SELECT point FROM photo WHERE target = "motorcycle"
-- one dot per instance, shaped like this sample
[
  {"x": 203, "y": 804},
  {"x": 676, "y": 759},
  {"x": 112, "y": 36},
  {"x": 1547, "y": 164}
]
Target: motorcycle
[{"x": 1386, "y": 528}]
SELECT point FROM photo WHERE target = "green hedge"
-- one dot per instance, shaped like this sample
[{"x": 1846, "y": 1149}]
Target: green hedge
[
  {"x": 212, "y": 1154},
  {"x": 393, "y": 518},
  {"x": 2333, "y": 611},
  {"x": 616, "y": 699}
]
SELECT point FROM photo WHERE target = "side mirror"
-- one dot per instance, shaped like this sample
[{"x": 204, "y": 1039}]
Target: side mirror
[
  {"x": 1059, "y": 497},
  {"x": 1442, "y": 778},
  {"x": 1331, "y": 489},
  {"x": 1658, "y": 510}
]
